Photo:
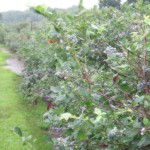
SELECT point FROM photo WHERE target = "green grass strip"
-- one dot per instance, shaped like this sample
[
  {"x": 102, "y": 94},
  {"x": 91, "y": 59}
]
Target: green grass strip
[{"x": 14, "y": 111}]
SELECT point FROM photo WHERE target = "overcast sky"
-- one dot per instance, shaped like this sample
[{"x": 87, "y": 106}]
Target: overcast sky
[{"x": 6, "y": 5}]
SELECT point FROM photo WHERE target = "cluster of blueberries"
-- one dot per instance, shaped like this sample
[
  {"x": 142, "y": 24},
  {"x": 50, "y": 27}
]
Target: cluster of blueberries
[
  {"x": 142, "y": 85},
  {"x": 73, "y": 38}
]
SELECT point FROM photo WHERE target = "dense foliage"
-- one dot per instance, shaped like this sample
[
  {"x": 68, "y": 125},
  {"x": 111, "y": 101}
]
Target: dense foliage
[
  {"x": 110, "y": 3},
  {"x": 117, "y": 3},
  {"x": 10, "y": 17},
  {"x": 16, "y": 27},
  {"x": 94, "y": 66}
]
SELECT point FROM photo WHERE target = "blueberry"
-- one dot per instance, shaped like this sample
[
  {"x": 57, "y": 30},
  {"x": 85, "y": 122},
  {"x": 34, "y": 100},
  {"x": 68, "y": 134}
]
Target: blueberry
[
  {"x": 141, "y": 86},
  {"x": 148, "y": 84},
  {"x": 147, "y": 73}
]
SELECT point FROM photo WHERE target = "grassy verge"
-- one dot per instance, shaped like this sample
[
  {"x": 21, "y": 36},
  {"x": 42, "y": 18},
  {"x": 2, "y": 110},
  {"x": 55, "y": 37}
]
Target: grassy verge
[{"x": 14, "y": 111}]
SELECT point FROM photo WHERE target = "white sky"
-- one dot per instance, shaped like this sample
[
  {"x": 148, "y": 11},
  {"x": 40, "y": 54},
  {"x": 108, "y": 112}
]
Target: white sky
[{"x": 6, "y": 5}]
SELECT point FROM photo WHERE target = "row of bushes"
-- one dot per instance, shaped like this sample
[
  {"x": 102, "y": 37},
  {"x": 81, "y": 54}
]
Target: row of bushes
[
  {"x": 96, "y": 75},
  {"x": 17, "y": 34}
]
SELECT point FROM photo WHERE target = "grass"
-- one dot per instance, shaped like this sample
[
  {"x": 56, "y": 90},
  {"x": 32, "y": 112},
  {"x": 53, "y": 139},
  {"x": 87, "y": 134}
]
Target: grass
[
  {"x": 14, "y": 111},
  {"x": 3, "y": 57}
]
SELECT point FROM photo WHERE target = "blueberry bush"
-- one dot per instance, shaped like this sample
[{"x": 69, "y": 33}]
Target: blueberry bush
[{"x": 94, "y": 66}]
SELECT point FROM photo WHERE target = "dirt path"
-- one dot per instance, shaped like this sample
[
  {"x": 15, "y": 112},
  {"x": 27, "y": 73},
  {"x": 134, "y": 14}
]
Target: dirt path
[{"x": 13, "y": 63}]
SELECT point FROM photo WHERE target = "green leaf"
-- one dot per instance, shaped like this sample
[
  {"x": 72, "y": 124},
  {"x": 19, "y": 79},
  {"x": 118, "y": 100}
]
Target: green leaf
[
  {"x": 81, "y": 13},
  {"x": 146, "y": 121},
  {"x": 146, "y": 104},
  {"x": 132, "y": 134},
  {"x": 39, "y": 8},
  {"x": 18, "y": 131},
  {"x": 99, "y": 114},
  {"x": 81, "y": 135},
  {"x": 124, "y": 86},
  {"x": 66, "y": 116},
  {"x": 139, "y": 99},
  {"x": 144, "y": 142},
  {"x": 96, "y": 96},
  {"x": 55, "y": 89},
  {"x": 42, "y": 9},
  {"x": 100, "y": 29},
  {"x": 57, "y": 28},
  {"x": 147, "y": 19},
  {"x": 61, "y": 147},
  {"x": 59, "y": 110},
  {"x": 68, "y": 132},
  {"x": 87, "y": 103},
  {"x": 123, "y": 66},
  {"x": 84, "y": 92},
  {"x": 29, "y": 138},
  {"x": 94, "y": 26},
  {"x": 98, "y": 118},
  {"x": 97, "y": 111},
  {"x": 137, "y": 124}
]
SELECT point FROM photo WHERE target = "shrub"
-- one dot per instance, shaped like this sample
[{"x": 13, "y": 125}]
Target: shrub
[{"x": 97, "y": 76}]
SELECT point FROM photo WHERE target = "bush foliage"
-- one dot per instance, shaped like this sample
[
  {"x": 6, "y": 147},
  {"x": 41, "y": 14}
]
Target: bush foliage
[{"x": 94, "y": 65}]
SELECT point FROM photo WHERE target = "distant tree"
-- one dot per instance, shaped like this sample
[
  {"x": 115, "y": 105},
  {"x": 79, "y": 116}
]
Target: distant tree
[
  {"x": 133, "y": 1},
  {"x": 0, "y": 16},
  {"x": 20, "y": 26},
  {"x": 2, "y": 34},
  {"x": 80, "y": 7},
  {"x": 19, "y": 16},
  {"x": 110, "y": 3}
]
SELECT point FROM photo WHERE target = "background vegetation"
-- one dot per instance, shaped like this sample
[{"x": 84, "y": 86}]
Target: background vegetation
[{"x": 93, "y": 67}]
